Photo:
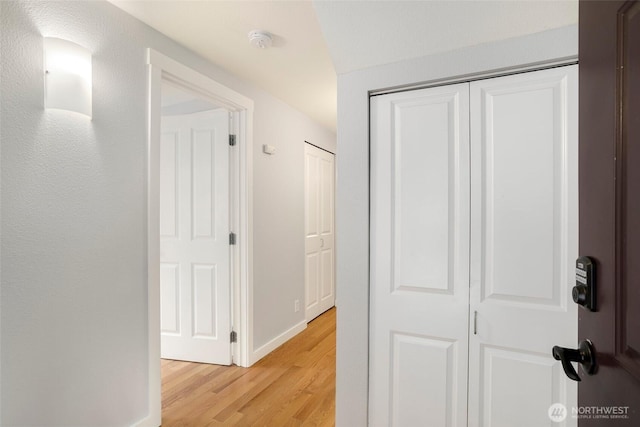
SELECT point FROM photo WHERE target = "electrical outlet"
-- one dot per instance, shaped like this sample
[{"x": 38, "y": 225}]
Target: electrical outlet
[{"x": 296, "y": 305}]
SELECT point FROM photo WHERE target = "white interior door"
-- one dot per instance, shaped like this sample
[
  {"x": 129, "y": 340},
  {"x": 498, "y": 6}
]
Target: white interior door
[
  {"x": 319, "y": 231},
  {"x": 194, "y": 238},
  {"x": 419, "y": 258},
  {"x": 524, "y": 245}
]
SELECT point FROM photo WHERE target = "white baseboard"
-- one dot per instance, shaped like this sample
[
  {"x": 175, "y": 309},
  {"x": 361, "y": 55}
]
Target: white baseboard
[
  {"x": 149, "y": 421},
  {"x": 267, "y": 348}
]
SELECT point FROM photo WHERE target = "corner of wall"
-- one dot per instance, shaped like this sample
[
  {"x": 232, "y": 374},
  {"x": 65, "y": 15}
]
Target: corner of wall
[{"x": 276, "y": 342}]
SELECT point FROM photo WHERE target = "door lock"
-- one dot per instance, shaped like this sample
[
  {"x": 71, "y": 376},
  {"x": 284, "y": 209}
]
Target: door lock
[
  {"x": 584, "y": 292},
  {"x": 585, "y": 355}
]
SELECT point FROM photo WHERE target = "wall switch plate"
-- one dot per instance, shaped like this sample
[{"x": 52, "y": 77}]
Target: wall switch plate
[
  {"x": 296, "y": 305},
  {"x": 268, "y": 149}
]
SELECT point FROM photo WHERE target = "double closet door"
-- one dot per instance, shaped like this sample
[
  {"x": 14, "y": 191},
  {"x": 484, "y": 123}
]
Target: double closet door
[{"x": 473, "y": 242}]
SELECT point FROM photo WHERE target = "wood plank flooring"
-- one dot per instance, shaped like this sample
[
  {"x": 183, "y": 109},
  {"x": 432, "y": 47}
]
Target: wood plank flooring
[{"x": 292, "y": 386}]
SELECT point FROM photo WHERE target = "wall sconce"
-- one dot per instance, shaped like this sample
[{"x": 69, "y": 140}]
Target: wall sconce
[{"x": 67, "y": 80}]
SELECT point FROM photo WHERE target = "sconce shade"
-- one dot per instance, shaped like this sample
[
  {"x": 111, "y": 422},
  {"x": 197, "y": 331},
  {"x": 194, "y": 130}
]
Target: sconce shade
[{"x": 67, "y": 76}]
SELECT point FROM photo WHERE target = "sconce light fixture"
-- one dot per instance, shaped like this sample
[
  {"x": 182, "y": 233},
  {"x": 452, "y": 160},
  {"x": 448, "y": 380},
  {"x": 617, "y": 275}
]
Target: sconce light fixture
[{"x": 67, "y": 80}]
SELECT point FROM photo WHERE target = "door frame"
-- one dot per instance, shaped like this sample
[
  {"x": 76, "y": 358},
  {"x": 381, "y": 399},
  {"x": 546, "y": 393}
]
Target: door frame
[
  {"x": 163, "y": 68},
  {"x": 544, "y": 65}
]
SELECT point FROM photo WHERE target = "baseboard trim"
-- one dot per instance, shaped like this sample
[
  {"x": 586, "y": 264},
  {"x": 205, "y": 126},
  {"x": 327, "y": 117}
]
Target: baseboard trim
[
  {"x": 148, "y": 421},
  {"x": 267, "y": 348}
]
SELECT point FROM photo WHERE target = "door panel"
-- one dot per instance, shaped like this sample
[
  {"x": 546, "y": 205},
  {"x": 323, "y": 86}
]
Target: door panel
[
  {"x": 420, "y": 257},
  {"x": 327, "y": 235},
  {"x": 510, "y": 376},
  {"x": 319, "y": 232},
  {"x": 524, "y": 243},
  {"x": 203, "y": 182},
  {"x": 610, "y": 203},
  {"x": 326, "y": 179},
  {"x": 519, "y": 145},
  {"x": 194, "y": 246},
  {"x": 204, "y": 301},
  {"x": 312, "y": 281},
  {"x": 169, "y": 183},
  {"x": 326, "y": 286},
  {"x": 170, "y": 302},
  {"x": 422, "y": 392}
]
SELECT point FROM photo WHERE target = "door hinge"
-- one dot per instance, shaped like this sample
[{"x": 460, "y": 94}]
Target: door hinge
[
  {"x": 234, "y": 336},
  {"x": 232, "y": 140},
  {"x": 232, "y": 238}
]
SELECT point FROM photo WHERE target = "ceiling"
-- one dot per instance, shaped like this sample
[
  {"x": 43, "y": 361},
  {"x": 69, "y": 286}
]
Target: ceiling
[
  {"x": 297, "y": 69},
  {"x": 314, "y": 40}
]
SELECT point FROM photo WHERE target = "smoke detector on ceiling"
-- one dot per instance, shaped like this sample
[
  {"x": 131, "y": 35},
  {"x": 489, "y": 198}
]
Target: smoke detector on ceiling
[{"x": 260, "y": 39}]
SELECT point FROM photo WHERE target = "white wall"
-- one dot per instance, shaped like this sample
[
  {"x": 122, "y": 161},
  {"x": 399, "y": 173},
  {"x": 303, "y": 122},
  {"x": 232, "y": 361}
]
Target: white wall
[
  {"x": 352, "y": 215},
  {"x": 278, "y": 219},
  {"x": 73, "y": 218}
]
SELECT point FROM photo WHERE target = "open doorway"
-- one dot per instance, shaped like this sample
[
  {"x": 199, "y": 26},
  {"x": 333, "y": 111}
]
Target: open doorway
[
  {"x": 164, "y": 70},
  {"x": 167, "y": 71}
]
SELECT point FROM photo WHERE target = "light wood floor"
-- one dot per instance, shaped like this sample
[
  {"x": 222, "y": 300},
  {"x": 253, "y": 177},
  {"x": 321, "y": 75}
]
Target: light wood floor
[{"x": 292, "y": 386}]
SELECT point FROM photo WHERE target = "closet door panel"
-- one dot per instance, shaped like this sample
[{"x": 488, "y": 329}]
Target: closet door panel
[
  {"x": 523, "y": 245},
  {"x": 319, "y": 231},
  {"x": 537, "y": 375},
  {"x": 419, "y": 257}
]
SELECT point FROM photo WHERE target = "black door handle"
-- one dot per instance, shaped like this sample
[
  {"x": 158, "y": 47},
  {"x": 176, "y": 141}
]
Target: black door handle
[{"x": 584, "y": 355}]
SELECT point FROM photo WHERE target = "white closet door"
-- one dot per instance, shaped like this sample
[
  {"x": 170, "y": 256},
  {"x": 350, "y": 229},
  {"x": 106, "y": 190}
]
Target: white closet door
[
  {"x": 419, "y": 258},
  {"x": 524, "y": 245},
  {"x": 319, "y": 231},
  {"x": 194, "y": 238}
]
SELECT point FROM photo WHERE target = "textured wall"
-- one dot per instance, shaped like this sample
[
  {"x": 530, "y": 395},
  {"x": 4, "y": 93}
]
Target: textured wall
[
  {"x": 73, "y": 227},
  {"x": 73, "y": 217}
]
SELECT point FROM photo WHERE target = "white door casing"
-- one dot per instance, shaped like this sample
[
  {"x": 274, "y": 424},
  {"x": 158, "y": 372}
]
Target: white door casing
[
  {"x": 419, "y": 258},
  {"x": 524, "y": 234},
  {"x": 161, "y": 69},
  {"x": 319, "y": 231},
  {"x": 194, "y": 238}
]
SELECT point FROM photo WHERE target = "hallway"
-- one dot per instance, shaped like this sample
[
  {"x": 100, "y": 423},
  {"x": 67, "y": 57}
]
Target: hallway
[{"x": 294, "y": 385}]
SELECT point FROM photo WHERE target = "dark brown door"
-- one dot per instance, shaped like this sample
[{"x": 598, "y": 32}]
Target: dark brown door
[{"x": 610, "y": 207}]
